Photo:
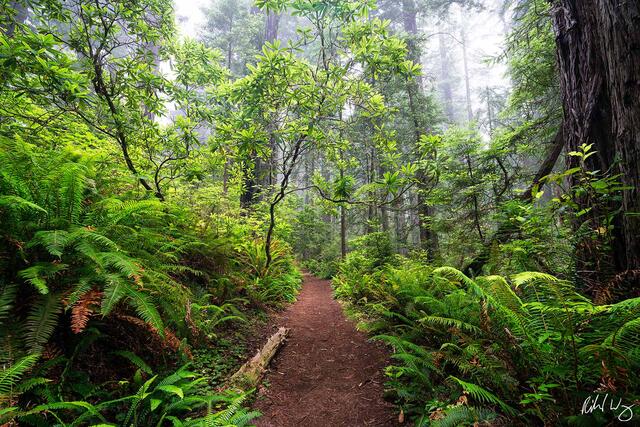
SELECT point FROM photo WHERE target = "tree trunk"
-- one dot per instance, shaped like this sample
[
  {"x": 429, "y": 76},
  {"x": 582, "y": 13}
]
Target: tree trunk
[
  {"x": 467, "y": 83},
  {"x": 400, "y": 225},
  {"x": 598, "y": 52},
  {"x": 250, "y": 374},
  {"x": 271, "y": 26},
  {"x": 371, "y": 176},
  {"x": 445, "y": 82},
  {"x": 343, "y": 232},
  {"x": 428, "y": 238},
  {"x": 262, "y": 175}
]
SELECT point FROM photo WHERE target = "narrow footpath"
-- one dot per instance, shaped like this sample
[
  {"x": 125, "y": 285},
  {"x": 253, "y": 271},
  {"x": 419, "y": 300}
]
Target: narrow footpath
[{"x": 328, "y": 374}]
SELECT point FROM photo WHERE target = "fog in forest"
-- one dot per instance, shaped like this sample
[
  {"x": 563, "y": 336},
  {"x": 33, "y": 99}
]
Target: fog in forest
[
  {"x": 285, "y": 213},
  {"x": 483, "y": 27}
]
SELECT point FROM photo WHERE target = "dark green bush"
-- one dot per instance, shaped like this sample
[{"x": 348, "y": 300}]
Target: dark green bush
[{"x": 527, "y": 347}]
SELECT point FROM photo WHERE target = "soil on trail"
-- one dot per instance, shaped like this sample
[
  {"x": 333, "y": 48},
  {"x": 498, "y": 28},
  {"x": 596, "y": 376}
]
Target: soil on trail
[{"x": 327, "y": 374}]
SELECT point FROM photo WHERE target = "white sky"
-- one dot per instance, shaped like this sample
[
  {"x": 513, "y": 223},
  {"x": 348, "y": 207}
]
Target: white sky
[{"x": 190, "y": 16}]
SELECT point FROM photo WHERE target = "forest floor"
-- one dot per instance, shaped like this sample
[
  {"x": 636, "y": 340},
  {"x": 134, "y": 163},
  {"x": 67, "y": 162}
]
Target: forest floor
[{"x": 328, "y": 373}]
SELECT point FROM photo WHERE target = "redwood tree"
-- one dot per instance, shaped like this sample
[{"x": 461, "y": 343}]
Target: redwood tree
[{"x": 598, "y": 51}]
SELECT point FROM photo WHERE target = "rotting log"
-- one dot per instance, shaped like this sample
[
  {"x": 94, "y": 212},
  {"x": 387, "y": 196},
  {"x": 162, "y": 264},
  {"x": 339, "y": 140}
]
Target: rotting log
[{"x": 250, "y": 374}]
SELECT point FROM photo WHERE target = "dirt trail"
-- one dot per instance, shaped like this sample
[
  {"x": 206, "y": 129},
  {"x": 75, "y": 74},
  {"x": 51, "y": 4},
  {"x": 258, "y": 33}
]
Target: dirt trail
[{"x": 327, "y": 374}]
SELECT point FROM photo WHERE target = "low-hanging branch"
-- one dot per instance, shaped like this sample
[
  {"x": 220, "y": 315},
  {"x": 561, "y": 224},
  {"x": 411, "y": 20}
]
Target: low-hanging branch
[
  {"x": 505, "y": 230},
  {"x": 324, "y": 196}
]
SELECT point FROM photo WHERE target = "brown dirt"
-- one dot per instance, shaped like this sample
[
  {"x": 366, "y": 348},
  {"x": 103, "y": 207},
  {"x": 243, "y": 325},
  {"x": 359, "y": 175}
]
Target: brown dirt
[{"x": 327, "y": 374}]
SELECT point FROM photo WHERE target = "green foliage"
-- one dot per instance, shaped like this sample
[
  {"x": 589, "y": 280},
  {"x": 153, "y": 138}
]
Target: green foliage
[
  {"x": 314, "y": 242},
  {"x": 485, "y": 339},
  {"x": 175, "y": 398},
  {"x": 138, "y": 207},
  {"x": 275, "y": 282}
]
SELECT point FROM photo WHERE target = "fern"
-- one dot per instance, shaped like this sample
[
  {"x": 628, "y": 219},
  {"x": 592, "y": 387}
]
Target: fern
[
  {"x": 482, "y": 395},
  {"x": 120, "y": 262},
  {"x": 455, "y": 276},
  {"x": 625, "y": 338},
  {"x": 54, "y": 241},
  {"x": 146, "y": 310},
  {"x": 18, "y": 204},
  {"x": 462, "y": 415},
  {"x": 115, "y": 290},
  {"x": 38, "y": 274},
  {"x": 73, "y": 183},
  {"x": 9, "y": 376},
  {"x": 449, "y": 323},
  {"x": 41, "y": 321},
  {"x": 83, "y": 309},
  {"x": 136, "y": 360},
  {"x": 7, "y": 299},
  {"x": 544, "y": 288}
]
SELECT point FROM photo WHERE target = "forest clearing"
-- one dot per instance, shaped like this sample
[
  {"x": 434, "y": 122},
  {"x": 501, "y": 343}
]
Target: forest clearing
[{"x": 282, "y": 213}]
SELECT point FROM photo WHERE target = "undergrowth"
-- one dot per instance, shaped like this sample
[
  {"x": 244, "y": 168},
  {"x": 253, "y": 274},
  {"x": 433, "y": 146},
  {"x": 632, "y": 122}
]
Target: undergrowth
[
  {"x": 103, "y": 297},
  {"x": 523, "y": 349}
]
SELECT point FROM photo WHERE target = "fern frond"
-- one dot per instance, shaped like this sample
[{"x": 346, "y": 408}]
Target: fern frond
[
  {"x": 54, "y": 241},
  {"x": 455, "y": 276},
  {"x": 136, "y": 360},
  {"x": 450, "y": 323},
  {"x": 39, "y": 273},
  {"x": 124, "y": 264},
  {"x": 83, "y": 309},
  {"x": 31, "y": 383},
  {"x": 41, "y": 321},
  {"x": 115, "y": 289},
  {"x": 72, "y": 186},
  {"x": 545, "y": 288},
  {"x": 18, "y": 204},
  {"x": 146, "y": 309},
  {"x": 82, "y": 287},
  {"x": 626, "y": 337},
  {"x": 127, "y": 211},
  {"x": 7, "y": 299},
  {"x": 78, "y": 235},
  {"x": 10, "y": 375},
  {"x": 464, "y": 415},
  {"x": 483, "y": 395}
]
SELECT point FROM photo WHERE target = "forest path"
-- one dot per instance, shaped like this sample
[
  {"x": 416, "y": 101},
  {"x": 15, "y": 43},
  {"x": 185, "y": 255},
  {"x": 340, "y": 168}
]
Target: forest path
[{"x": 328, "y": 374}]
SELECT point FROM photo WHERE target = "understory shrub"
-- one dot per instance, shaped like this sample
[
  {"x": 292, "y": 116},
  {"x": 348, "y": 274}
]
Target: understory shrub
[
  {"x": 86, "y": 278},
  {"x": 523, "y": 349},
  {"x": 176, "y": 398}
]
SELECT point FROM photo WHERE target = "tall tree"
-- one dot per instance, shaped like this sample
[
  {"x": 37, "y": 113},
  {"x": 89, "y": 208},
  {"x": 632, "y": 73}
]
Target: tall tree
[
  {"x": 428, "y": 237},
  {"x": 599, "y": 61}
]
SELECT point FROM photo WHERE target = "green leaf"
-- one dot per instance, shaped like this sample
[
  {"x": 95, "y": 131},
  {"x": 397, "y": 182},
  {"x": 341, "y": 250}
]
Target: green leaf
[
  {"x": 172, "y": 389},
  {"x": 154, "y": 403}
]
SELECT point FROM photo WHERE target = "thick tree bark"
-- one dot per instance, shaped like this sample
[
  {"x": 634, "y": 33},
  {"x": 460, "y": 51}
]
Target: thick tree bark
[{"x": 598, "y": 51}]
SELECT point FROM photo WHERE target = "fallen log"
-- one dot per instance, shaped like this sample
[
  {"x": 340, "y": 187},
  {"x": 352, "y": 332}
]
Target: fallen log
[{"x": 250, "y": 374}]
